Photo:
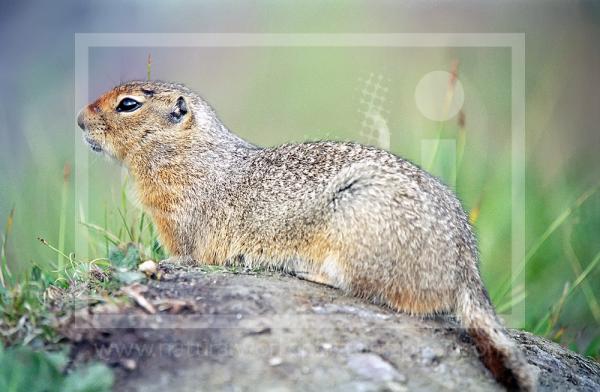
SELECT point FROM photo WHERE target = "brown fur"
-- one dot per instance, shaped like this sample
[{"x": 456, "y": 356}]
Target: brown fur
[
  {"x": 351, "y": 216},
  {"x": 494, "y": 360}
]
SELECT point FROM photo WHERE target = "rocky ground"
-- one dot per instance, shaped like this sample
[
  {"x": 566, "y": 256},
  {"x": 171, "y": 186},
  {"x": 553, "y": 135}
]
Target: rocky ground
[{"x": 201, "y": 330}]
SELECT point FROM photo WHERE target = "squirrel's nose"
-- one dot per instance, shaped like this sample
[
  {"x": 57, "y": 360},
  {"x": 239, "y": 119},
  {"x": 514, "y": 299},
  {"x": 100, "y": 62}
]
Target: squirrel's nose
[{"x": 80, "y": 119}]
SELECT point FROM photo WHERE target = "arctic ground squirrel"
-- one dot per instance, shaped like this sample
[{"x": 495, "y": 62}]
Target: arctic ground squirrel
[{"x": 343, "y": 214}]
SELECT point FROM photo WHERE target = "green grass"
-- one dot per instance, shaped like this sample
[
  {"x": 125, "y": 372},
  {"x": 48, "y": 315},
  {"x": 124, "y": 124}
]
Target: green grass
[
  {"x": 537, "y": 244},
  {"x": 549, "y": 320}
]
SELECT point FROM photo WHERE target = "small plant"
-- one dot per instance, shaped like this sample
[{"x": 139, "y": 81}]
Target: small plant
[{"x": 24, "y": 369}]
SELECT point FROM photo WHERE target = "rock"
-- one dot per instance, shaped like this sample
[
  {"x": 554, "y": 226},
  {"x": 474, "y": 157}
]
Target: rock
[
  {"x": 148, "y": 267},
  {"x": 430, "y": 356},
  {"x": 373, "y": 367},
  {"x": 275, "y": 332},
  {"x": 275, "y": 361},
  {"x": 128, "y": 364}
]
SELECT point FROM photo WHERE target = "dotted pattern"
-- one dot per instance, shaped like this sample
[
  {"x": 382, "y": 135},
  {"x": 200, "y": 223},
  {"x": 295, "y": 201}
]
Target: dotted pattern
[{"x": 374, "y": 128}]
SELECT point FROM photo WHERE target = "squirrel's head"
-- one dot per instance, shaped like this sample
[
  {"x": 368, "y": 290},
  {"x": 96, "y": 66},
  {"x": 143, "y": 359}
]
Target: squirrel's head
[{"x": 134, "y": 114}]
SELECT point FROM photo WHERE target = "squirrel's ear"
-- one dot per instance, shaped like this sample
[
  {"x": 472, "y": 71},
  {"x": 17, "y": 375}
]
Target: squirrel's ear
[{"x": 179, "y": 111}]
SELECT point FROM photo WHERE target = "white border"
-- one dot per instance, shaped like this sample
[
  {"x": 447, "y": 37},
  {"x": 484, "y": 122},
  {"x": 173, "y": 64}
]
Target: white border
[{"x": 516, "y": 43}]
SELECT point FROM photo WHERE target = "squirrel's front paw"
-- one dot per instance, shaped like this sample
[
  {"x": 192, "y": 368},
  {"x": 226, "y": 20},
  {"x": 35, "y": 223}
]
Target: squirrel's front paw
[{"x": 176, "y": 261}]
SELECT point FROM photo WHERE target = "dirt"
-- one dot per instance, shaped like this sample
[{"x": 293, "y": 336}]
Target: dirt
[{"x": 240, "y": 332}]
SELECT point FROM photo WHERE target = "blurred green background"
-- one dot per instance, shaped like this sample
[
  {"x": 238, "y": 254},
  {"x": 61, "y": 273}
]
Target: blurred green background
[{"x": 275, "y": 95}]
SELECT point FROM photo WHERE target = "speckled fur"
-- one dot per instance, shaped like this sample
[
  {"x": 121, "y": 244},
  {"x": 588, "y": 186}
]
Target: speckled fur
[{"x": 355, "y": 217}]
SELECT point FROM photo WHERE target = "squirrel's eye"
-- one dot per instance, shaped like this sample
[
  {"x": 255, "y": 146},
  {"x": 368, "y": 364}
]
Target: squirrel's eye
[{"x": 128, "y": 105}]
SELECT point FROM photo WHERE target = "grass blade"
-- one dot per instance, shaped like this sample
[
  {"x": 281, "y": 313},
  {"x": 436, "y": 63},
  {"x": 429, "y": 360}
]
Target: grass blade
[
  {"x": 149, "y": 66},
  {"x": 448, "y": 98},
  {"x": 141, "y": 227},
  {"x": 588, "y": 293},
  {"x": 63, "y": 213},
  {"x": 106, "y": 241},
  {"x": 515, "y": 300},
  {"x": 125, "y": 225},
  {"x": 505, "y": 288},
  {"x": 4, "y": 269},
  {"x": 107, "y": 234},
  {"x": 58, "y": 251},
  {"x": 580, "y": 279}
]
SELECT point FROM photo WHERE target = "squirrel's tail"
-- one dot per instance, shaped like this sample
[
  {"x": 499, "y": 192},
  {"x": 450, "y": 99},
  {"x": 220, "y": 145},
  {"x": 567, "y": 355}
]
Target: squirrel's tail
[{"x": 497, "y": 350}]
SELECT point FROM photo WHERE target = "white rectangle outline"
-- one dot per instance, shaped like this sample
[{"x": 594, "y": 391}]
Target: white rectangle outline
[{"x": 514, "y": 41}]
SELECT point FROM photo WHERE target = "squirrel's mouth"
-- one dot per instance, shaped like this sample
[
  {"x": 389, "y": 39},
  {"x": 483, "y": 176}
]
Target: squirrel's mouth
[{"x": 93, "y": 145}]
